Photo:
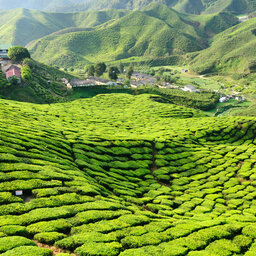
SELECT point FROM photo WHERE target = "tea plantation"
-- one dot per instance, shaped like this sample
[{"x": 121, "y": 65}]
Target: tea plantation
[{"x": 125, "y": 175}]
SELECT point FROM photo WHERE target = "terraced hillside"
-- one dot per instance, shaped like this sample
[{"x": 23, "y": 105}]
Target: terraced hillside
[
  {"x": 125, "y": 175},
  {"x": 231, "y": 51}
]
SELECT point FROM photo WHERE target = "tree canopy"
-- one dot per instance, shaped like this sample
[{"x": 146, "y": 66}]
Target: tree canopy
[
  {"x": 113, "y": 73},
  {"x": 18, "y": 53},
  {"x": 91, "y": 70},
  {"x": 100, "y": 68}
]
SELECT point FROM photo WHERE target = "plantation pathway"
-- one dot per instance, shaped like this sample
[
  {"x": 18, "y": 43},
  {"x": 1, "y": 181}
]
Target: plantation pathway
[{"x": 54, "y": 249}]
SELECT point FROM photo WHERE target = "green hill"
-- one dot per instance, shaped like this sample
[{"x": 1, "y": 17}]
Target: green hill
[
  {"x": 231, "y": 51},
  {"x": 125, "y": 175},
  {"x": 44, "y": 87},
  {"x": 20, "y": 26},
  {"x": 156, "y": 32}
]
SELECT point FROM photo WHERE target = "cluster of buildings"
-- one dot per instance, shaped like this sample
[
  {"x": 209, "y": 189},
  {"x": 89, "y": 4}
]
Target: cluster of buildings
[{"x": 232, "y": 96}]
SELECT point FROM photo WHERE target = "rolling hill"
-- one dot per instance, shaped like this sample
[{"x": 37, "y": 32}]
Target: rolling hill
[
  {"x": 125, "y": 175},
  {"x": 20, "y": 26},
  {"x": 156, "y": 32},
  {"x": 231, "y": 51}
]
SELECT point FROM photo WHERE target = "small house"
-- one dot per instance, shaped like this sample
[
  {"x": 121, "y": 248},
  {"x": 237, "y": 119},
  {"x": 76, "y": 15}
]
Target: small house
[
  {"x": 13, "y": 71},
  {"x": 189, "y": 88},
  {"x": 240, "y": 98}
]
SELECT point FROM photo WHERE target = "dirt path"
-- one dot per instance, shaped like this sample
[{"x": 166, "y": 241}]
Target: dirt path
[{"x": 54, "y": 249}]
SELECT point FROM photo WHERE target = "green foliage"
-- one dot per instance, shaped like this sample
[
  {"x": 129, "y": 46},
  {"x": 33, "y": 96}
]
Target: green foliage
[
  {"x": 129, "y": 72},
  {"x": 91, "y": 70},
  {"x": 26, "y": 73},
  {"x": 100, "y": 68},
  {"x": 49, "y": 237},
  {"x": 113, "y": 73},
  {"x": 104, "y": 249},
  {"x": 8, "y": 243},
  {"x": 18, "y": 53},
  {"x": 28, "y": 250},
  {"x": 13, "y": 80}
]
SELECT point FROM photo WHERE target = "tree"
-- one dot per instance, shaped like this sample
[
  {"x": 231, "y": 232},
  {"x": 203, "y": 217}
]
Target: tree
[
  {"x": 14, "y": 80},
  {"x": 129, "y": 72},
  {"x": 100, "y": 68},
  {"x": 113, "y": 72},
  {"x": 91, "y": 70},
  {"x": 121, "y": 68},
  {"x": 26, "y": 73},
  {"x": 18, "y": 53}
]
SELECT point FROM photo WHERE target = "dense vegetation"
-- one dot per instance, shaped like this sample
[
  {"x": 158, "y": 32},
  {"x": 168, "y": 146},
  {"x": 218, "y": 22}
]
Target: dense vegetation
[
  {"x": 157, "y": 32},
  {"x": 129, "y": 176}
]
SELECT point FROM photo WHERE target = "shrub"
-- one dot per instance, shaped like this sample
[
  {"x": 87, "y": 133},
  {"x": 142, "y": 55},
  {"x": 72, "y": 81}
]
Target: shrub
[
  {"x": 49, "y": 237},
  {"x": 59, "y": 225},
  {"x": 103, "y": 249},
  {"x": 28, "y": 251},
  {"x": 14, "y": 230},
  {"x": 26, "y": 73},
  {"x": 8, "y": 243}
]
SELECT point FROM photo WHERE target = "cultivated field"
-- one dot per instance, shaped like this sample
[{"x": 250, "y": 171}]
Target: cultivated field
[{"x": 125, "y": 175}]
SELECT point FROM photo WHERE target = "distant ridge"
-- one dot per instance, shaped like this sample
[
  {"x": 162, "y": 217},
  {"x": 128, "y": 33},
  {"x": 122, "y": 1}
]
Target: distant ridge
[
  {"x": 20, "y": 26},
  {"x": 187, "y": 6}
]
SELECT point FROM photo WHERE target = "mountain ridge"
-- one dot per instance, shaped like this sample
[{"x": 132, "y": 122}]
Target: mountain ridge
[
  {"x": 186, "y": 6},
  {"x": 156, "y": 31}
]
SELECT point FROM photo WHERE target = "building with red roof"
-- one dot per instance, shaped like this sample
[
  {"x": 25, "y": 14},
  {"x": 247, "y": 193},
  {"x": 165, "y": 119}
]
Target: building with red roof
[{"x": 13, "y": 70}]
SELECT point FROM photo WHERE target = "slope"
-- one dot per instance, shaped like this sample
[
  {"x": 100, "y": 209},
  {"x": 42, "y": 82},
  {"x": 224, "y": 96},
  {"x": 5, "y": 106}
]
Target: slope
[
  {"x": 155, "y": 32},
  {"x": 231, "y": 51},
  {"x": 20, "y": 26},
  {"x": 123, "y": 175},
  {"x": 44, "y": 87}
]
